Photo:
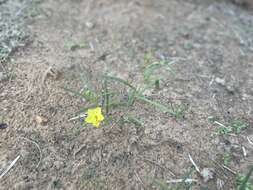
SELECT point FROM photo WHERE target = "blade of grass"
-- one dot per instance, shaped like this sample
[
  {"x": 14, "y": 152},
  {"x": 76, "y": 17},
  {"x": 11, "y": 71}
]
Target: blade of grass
[
  {"x": 131, "y": 98},
  {"x": 120, "y": 81},
  {"x": 156, "y": 104},
  {"x": 106, "y": 96},
  {"x": 117, "y": 104},
  {"x": 75, "y": 93},
  {"x": 185, "y": 177},
  {"x": 134, "y": 120},
  {"x": 245, "y": 181}
]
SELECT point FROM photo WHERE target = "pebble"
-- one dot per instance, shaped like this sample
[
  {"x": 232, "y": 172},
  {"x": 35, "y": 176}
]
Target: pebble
[
  {"x": 58, "y": 164},
  {"x": 220, "y": 81},
  {"x": 3, "y": 77},
  {"x": 3, "y": 125},
  {"x": 41, "y": 120},
  {"x": 208, "y": 174},
  {"x": 89, "y": 25}
]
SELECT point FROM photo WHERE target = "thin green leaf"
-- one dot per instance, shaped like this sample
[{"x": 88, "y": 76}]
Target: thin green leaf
[
  {"x": 134, "y": 120},
  {"x": 120, "y": 81},
  {"x": 244, "y": 185},
  {"x": 156, "y": 104},
  {"x": 75, "y": 93}
]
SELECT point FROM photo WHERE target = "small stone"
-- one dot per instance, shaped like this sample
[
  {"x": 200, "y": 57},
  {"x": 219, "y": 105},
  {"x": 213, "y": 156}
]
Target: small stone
[
  {"x": 3, "y": 125},
  {"x": 89, "y": 25},
  {"x": 41, "y": 120},
  {"x": 245, "y": 96},
  {"x": 3, "y": 77},
  {"x": 220, "y": 184},
  {"x": 174, "y": 53},
  {"x": 230, "y": 88},
  {"x": 207, "y": 174},
  {"x": 188, "y": 46},
  {"x": 58, "y": 164},
  {"x": 220, "y": 81}
]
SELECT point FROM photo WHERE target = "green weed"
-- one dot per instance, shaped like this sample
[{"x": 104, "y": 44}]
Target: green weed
[
  {"x": 153, "y": 73},
  {"x": 91, "y": 180},
  {"x": 106, "y": 96},
  {"x": 243, "y": 182},
  {"x": 56, "y": 184},
  {"x": 70, "y": 45},
  {"x": 235, "y": 126},
  {"x": 227, "y": 158},
  {"x": 162, "y": 184}
]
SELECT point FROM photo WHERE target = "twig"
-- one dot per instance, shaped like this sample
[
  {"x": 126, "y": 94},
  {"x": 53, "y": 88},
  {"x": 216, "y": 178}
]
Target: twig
[
  {"x": 181, "y": 181},
  {"x": 194, "y": 164},
  {"x": 78, "y": 117},
  {"x": 46, "y": 74},
  {"x": 145, "y": 159},
  {"x": 139, "y": 179},
  {"x": 212, "y": 80},
  {"x": 244, "y": 151},
  {"x": 227, "y": 168},
  {"x": 250, "y": 142},
  {"x": 220, "y": 124},
  {"x": 91, "y": 46},
  {"x": 36, "y": 144},
  {"x": 10, "y": 166}
]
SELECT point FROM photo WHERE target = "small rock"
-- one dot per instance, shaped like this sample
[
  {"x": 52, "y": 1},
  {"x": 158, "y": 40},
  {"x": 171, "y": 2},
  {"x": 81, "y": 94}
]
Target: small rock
[
  {"x": 230, "y": 88},
  {"x": 220, "y": 81},
  {"x": 220, "y": 184},
  {"x": 89, "y": 25},
  {"x": 188, "y": 46},
  {"x": 3, "y": 125},
  {"x": 58, "y": 164},
  {"x": 54, "y": 73},
  {"x": 3, "y": 77},
  {"x": 41, "y": 120},
  {"x": 148, "y": 92},
  {"x": 207, "y": 174},
  {"x": 245, "y": 96}
]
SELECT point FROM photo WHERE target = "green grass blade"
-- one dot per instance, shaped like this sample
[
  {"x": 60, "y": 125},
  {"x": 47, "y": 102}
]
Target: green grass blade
[
  {"x": 184, "y": 178},
  {"x": 106, "y": 96},
  {"x": 156, "y": 104},
  {"x": 120, "y": 81},
  {"x": 131, "y": 98},
  {"x": 150, "y": 69},
  {"x": 75, "y": 93},
  {"x": 243, "y": 186},
  {"x": 134, "y": 120}
]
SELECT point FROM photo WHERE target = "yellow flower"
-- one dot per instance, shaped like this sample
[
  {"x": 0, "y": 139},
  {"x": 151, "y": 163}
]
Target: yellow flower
[{"x": 94, "y": 116}]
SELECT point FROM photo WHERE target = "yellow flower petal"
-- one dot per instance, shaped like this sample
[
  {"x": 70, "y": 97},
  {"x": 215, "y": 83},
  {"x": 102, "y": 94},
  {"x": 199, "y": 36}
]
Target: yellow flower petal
[
  {"x": 89, "y": 119},
  {"x": 94, "y": 116}
]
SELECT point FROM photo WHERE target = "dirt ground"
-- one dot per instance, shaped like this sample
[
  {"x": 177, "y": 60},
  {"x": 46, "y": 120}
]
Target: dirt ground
[{"x": 212, "y": 43}]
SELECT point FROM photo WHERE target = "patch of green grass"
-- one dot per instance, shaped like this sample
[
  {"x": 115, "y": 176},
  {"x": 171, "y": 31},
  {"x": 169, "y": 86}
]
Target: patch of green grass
[
  {"x": 227, "y": 158},
  {"x": 129, "y": 118},
  {"x": 243, "y": 182},
  {"x": 70, "y": 45},
  {"x": 236, "y": 126},
  {"x": 56, "y": 184},
  {"x": 156, "y": 72},
  {"x": 126, "y": 95},
  {"x": 223, "y": 130},
  {"x": 136, "y": 93},
  {"x": 162, "y": 184},
  {"x": 91, "y": 180}
]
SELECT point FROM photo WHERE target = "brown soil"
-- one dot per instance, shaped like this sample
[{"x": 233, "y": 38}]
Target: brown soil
[{"x": 212, "y": 42}]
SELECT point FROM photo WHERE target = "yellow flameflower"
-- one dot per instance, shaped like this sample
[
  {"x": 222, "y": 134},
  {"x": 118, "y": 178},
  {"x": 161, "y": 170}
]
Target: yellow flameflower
[{"x": 95, "y": 116}]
